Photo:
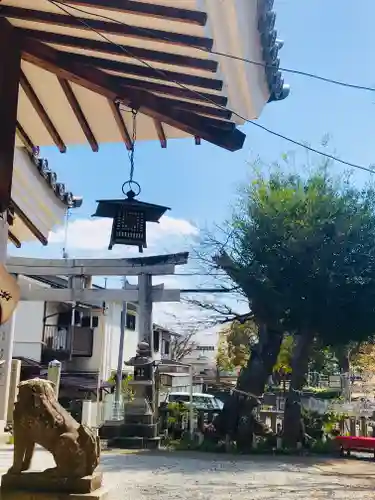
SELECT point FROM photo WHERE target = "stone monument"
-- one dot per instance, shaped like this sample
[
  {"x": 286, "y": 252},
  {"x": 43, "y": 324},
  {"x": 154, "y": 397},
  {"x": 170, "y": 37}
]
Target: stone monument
[
  {"x": 39, "y": 419},
  {"x": 139, "y": 429}
]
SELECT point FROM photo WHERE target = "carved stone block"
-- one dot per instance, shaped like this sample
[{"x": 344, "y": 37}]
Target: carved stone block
[
  {"x": 44, "y": 482},
  {"x": 100, "y": 494}
]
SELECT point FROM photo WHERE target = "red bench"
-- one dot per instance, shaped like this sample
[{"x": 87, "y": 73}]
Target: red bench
[{"x": 354, "y": 443}]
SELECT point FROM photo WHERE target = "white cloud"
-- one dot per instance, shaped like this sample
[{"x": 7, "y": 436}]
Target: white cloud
[
  {"x": 92, "y": 235},
  {"x": 89, "y": 238}
]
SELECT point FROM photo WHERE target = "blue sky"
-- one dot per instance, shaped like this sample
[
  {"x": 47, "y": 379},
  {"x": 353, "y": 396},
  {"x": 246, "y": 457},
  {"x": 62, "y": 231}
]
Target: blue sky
[{"x": 330, "y": 38}]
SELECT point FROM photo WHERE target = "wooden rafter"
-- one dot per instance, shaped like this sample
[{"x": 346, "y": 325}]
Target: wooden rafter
[
  {"x": 112, "y": 49},
  {"x": 42, "y": 113},
  {"x": 154, "y": 106},
  {"x": 170, "y": 90},
  {"x": 77, "y": 110},
  {"x": 147, "y": 72},
  {"x": 201, "y": 109},
  {"x": 147, "y": 9},
  {"x": 24, "y": 137},
  {"x": 13, "y": 239},
  {"x": 30, "y": 225},
  {"x": 161, "y": 134},
  {"x": 120, "y": 124},
  {"x": 114, "y": 28}
]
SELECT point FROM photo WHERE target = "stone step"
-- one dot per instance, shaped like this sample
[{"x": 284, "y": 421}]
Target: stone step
[
  {"x": 141, "y": 430},
  {"x": 134, "y": 443}
]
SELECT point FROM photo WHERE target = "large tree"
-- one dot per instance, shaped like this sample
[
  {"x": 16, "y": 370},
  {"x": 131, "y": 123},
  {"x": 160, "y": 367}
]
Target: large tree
[{"x": 302, "y": 250}]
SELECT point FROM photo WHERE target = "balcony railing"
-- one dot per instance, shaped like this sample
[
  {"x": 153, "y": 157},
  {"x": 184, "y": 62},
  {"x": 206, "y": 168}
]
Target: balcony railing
[{"x": 63, "y": 343}]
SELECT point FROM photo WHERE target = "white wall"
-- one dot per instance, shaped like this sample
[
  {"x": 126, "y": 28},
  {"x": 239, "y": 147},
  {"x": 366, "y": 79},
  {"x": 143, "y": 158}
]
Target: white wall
[
  {"x": 113, "y": 329},
  {"x": 28, "y": 328}
]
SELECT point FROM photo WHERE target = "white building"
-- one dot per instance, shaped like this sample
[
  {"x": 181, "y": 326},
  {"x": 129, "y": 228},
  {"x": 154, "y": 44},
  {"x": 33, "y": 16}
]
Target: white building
[
  {"x": 203, "y": 357},
  {"x": 85, "y": 338}
]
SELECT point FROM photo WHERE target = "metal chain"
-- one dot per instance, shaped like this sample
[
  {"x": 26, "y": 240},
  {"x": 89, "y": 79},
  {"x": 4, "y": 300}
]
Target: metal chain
[{"x": 132, "y": 151}]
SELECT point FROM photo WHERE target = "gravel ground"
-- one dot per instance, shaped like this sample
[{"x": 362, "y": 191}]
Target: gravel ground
[{"x": 166, "y": 476}]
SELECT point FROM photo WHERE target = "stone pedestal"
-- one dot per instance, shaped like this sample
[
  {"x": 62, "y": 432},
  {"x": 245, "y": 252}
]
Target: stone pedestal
[
  {"x": 138, "y": 429},
  {"x": 44, "y": 486},
  {"x": 100, "y": 494}
]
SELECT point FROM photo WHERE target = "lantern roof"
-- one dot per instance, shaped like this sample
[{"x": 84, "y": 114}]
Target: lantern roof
[
  {"x": 85, "y": 63},
  {"x": 109, "y": 208}
]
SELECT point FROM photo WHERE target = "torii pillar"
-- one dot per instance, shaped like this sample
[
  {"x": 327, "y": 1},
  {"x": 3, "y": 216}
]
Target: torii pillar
[{"x": 10, "y": 67}]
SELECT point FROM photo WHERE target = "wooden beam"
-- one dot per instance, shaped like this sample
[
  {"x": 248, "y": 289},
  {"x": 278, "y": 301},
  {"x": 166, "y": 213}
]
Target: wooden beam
[
  {"x": 147, "y": 9},
  {"x": 112, "y": 49},
  {"x": 13, "y": 239},
  {"x": 201, "y": 109},
  {"x": 24, "y": 138},
  {"x": 66, "y": 21},
  {"x": 146, "y": 72},
  {"x": 10, "y": 67},
  {"x": 77, "y": 110},
  {"x": 104, "y": 84},
  {"x": 155, "y": 265},
  {"x": 90, "y": 296},
  {"x": 169, "y": 90},
  {"x": 115, "y": 108},
  {"x": 30, "y": 226},
  {"x": 41, "y": 112},
  {"x": 161, "y": 133}
]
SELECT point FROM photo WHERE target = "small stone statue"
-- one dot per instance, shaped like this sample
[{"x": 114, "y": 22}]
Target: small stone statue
[{"x": 39, "y": 419}]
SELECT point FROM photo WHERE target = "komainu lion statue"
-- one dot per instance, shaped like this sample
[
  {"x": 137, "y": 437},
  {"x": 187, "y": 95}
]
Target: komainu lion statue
[{"x": 39, "y": 419}]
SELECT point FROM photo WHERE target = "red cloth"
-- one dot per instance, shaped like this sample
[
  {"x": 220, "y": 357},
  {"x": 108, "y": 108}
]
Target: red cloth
[{"x": 356, "y": 442}]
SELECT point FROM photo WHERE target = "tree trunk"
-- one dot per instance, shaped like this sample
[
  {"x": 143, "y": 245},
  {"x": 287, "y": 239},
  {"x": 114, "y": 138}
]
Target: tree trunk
[
  {"x": 343, "y": 355},
  {"x": 238, "y": 413},
  {"x": 293, "y": 431}
]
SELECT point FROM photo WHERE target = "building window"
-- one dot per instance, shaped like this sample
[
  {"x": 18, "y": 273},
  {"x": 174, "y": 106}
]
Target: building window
[
  {"x": 130, "y": 322},
  {"x": 166, "y": 347},
  {"x": 156, "y": 341}
]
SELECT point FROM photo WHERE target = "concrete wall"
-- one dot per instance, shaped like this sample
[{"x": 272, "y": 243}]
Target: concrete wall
[
  {"x": 28, "y": 328},
  {"x": 113, "y": 332}
]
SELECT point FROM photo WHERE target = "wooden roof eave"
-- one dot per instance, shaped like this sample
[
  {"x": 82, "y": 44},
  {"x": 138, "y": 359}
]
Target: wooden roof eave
[
  {"x": 147, "y": 9},
  {"x": 108, "y": 86}
]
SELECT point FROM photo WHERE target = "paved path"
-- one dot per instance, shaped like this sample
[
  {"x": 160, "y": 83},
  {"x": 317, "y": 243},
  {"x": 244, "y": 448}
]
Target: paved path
[{"x": 167, "y": 476}]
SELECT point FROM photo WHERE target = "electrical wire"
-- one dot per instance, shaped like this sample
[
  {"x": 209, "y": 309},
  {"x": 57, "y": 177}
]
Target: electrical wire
[
  {"x": 307, "y": 74},
  {"x": 59, "y": 5}
]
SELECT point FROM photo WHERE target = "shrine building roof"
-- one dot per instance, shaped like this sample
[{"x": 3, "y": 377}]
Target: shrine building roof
[{"x": 87, "y": 63}]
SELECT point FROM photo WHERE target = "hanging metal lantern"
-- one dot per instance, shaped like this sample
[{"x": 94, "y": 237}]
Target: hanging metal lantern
[
  {"x": 129, "y": 218},
  {"x": 130, "y": 215}
]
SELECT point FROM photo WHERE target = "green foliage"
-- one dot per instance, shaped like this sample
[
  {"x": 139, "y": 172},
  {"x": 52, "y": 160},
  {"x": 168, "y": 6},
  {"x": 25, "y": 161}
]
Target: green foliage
[
  {"x": 303, "y": 252},
  {"x": 316, "y": 424},
  {"x": 234, "y": 345},
  {"x": 324, "y": 392},
  {"x": 284, "y": 359},
  {"x": 323, "y": 359},
  {"x": 177, "y": 412},
  {"x": 126, "y": 389}
]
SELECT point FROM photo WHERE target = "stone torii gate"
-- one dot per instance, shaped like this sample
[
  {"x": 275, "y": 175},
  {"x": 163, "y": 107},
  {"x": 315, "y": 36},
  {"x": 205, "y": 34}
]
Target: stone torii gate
[{"x": 80, "y": 272}]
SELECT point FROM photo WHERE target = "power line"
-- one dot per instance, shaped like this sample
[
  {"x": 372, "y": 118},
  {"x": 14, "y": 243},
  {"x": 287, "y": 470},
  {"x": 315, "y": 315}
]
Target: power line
[
  {"x": 292, "y": 71},
  {"x": 57, "y": 3}
]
